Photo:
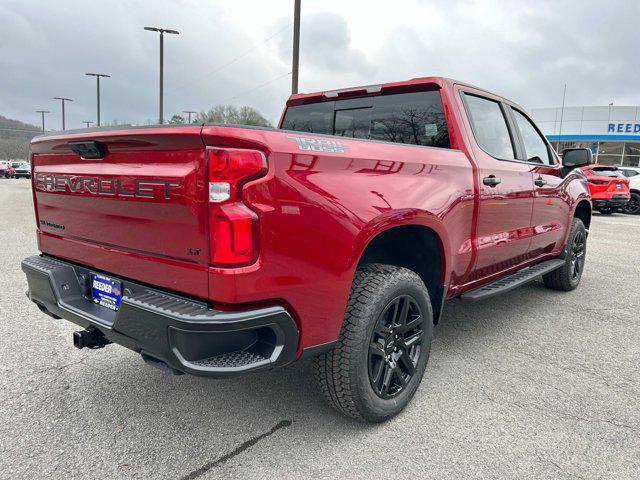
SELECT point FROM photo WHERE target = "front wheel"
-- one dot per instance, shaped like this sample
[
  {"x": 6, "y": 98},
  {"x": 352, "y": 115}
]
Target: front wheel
[
  {"x": 632, "y": 207},
  {"x": 375, "y": 368},
  {"x": 567, "y": 277}
]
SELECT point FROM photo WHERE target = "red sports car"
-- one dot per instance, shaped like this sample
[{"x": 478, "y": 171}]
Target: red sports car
[{"x": 608, "y": 186}]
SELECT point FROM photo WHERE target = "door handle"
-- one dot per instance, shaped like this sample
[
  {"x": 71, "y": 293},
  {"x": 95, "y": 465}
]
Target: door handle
[
  {"x": 540, "y": 182},
  {"x": 491, "y": 181}
]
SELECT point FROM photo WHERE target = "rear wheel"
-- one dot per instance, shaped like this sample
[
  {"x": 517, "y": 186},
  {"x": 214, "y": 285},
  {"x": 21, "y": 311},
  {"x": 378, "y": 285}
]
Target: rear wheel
[
  {"x": 633, "y": 206},
  {"x": 568, "y": 276},
  {"x": 375, "y": 368}
]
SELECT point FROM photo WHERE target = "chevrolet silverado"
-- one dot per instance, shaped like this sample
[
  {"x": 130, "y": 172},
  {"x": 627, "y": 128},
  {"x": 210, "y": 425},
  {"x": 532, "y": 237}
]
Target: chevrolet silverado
[{"x": 219, "y": 250}]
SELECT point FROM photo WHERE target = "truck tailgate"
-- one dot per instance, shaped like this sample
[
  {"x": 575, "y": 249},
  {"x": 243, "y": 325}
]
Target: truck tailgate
[{"x": 146, "y": 197}]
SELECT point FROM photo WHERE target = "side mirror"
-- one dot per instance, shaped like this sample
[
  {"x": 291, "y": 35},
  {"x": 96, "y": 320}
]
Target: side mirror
[{"x": 576, "y": 157}]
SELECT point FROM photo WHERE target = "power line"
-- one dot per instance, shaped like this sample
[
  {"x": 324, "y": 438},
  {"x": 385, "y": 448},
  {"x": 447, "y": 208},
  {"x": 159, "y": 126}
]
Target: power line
[
  {"x": 200, "y": 78},
  {"x": 256, "y": 88}
]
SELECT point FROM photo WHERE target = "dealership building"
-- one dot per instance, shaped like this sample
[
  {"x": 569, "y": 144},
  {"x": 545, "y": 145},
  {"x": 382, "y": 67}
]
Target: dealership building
[{"x": 612, "y": 133}]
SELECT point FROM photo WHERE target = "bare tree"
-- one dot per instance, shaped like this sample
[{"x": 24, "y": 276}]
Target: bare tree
[{"x": 231, "y": 114}]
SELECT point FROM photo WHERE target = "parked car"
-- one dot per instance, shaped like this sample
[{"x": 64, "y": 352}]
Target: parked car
[
  {"x": 608, "y": 186},
  {"x": 220, "y": 250},
  {"x": 23, "y": 171},
  {"x": 633, "y": 174},
  {"x": 9, "y": 172}
]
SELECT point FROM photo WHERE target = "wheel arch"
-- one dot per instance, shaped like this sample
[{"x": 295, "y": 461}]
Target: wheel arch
[
  {"x": 583, "y": 212},
  {"x": 416, "y": 246}
]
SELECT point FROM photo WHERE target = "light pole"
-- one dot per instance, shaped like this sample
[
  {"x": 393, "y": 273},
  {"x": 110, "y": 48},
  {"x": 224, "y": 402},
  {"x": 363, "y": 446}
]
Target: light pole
[
  {"x": 564, "y": 96},
  {"x": 98, "y": 75},
  {"x": 43, "y": 112},
  {"x": 87, "y": 123},
  {"x": 296, "y": 46},
  {"x": 162, "y": 32},
  {"x": 189, "y": 112},
  {"x": 62, "y": 100}
]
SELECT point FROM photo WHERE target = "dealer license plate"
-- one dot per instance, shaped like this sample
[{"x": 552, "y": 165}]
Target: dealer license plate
[{"x": 106, "y": 291}]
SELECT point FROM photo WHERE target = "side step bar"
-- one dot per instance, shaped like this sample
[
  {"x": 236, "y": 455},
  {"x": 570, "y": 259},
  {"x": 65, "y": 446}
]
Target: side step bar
[{"x": 512, "y": 281}]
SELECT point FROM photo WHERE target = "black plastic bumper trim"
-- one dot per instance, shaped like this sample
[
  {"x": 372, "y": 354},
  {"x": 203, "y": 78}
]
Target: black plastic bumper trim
[
  {"x": 613, "y": 203},
  {"x": 183, "y": 333}
]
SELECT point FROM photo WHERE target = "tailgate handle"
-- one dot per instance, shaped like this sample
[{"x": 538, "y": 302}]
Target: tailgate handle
[{"x": 89, "y": 149}]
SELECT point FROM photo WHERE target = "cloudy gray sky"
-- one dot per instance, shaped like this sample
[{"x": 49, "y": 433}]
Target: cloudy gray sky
[{"x": 239, "y": 51}]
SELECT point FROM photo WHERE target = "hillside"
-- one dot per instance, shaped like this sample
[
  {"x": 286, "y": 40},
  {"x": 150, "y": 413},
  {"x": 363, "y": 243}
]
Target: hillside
[{"x": 14, "y": 138}]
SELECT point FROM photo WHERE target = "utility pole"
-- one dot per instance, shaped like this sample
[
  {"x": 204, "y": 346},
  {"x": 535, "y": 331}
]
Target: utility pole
[
  {"x": 296, "y": 47},
  {"x": 189, "y": 112},
  {"x": 43, "y": 112},
  {"x": 564, "y": 96},
  {"x": 162, "y": 32},
  {"x": 62, "y": 100},
  {"x": 98, "y": 75},
  {"x": 87, "y": 123}
]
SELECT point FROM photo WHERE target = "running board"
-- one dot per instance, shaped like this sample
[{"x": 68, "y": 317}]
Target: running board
[{"x": 512, "y": 281}]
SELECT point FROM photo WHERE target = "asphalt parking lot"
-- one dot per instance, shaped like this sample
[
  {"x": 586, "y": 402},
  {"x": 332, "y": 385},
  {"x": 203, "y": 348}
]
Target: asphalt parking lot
[{"x": 532, "y": 384}]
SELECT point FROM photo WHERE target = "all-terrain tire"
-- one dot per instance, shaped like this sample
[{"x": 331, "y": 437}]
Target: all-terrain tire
[
  {"x": 343, "y": 374},
  {"x": 567, "y": 277}
]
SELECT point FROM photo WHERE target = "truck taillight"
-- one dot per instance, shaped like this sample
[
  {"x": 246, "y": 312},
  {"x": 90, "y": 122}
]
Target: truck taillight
[{"x": 233, "y": 226}]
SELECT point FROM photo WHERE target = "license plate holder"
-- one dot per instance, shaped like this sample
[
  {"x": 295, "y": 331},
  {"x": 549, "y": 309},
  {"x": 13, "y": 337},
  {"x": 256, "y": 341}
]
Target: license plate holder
[{"x": 106, "y": 291}]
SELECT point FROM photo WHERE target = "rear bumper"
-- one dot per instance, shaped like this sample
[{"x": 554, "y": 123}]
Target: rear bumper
[
  {"x": 616, "y": 201},
  {"x": 165, "y": 328}
]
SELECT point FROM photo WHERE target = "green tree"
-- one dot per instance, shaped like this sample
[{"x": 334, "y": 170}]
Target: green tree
[{"x": 230, "y": 114}]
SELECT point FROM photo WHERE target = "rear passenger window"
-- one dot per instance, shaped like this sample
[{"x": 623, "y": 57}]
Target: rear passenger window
[
  {"x": 534, "y": 145},
  {"x": 416, "y": 118},
  {"x": 490, "y": 127}
]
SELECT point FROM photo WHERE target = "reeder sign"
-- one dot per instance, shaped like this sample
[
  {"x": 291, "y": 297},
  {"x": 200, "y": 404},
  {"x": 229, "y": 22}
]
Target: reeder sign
[{"x": 624, "y": 128}]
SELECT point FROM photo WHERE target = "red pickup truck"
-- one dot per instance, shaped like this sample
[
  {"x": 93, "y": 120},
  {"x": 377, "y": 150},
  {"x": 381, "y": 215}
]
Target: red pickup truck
[{"x": 218, "y": 250}]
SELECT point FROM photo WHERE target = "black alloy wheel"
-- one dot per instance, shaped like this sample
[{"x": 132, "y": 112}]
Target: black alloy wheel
[
  {"x": 578, "y": 254},
  {"x": 632, "y": 207},
  {"x": 395, "y": 346}
]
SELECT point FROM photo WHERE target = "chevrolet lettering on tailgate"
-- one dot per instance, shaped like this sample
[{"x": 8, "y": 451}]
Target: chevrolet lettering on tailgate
[{"x": 151, "y": 188}]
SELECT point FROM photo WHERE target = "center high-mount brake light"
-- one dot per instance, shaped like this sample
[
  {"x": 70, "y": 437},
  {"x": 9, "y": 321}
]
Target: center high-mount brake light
[{"x": 233, "y": 226}]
